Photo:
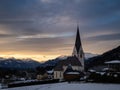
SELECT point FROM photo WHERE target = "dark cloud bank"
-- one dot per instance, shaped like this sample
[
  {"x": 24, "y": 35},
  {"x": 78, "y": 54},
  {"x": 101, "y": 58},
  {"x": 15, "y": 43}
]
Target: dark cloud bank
[{"x": 49, "y": 18}]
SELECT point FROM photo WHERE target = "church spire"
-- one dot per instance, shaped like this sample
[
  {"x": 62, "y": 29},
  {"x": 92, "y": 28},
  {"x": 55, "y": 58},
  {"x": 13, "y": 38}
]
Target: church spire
[
  {"x": 78, "y": 40},
  {"x": 78, "y": 50}
]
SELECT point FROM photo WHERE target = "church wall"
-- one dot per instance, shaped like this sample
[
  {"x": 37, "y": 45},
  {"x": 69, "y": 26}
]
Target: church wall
[
  {"x": 81, "y": 59},
  {"x": 58, "y": 75}
]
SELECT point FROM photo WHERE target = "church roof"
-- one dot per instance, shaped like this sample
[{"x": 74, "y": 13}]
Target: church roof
[
  {"x": 73, "y": 60},
  {"x": 69, "y": 68}
]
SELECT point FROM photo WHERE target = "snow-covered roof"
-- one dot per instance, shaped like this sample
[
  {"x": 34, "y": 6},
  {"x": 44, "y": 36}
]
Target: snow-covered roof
[
  {"x": 73, "y": 73},
  {"x": 113, "y": 62},
  {"x": 91, "y": 70},
  {"x": 51, "y": 71},
  {"x": 104, "y": 69},
  {"x": 108, "y": 69}
]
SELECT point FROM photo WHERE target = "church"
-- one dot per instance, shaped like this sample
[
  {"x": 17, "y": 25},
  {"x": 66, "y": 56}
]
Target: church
[{"x": 73, "y": 64}]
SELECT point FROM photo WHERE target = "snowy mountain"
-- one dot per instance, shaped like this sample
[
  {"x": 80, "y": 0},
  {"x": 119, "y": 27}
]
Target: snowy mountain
[
  {"x": 62, "y": 57},
  {"x": 12, "y": 63},
  {"x": 90, "y": 55},
  {"x": 53, "y": 62}
]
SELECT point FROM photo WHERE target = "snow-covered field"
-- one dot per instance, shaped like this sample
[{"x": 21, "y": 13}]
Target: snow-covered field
[{"x": 71, "y": 86}]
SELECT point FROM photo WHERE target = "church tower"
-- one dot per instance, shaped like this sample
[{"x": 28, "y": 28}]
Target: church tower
[{"x": 78, "y": 50}]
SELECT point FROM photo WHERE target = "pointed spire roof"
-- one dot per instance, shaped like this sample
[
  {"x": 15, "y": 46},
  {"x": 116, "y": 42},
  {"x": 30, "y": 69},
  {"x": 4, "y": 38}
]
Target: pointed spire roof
[{"x": 78, "y": 40}]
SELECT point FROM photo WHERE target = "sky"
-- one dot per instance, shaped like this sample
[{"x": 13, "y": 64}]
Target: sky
[{"x": 45, "y": 29}]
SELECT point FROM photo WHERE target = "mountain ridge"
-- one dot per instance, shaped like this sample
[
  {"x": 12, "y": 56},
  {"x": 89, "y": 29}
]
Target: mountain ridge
[
  {"x": 113, "y": 54},
  {"x": 13, "y": 63}
]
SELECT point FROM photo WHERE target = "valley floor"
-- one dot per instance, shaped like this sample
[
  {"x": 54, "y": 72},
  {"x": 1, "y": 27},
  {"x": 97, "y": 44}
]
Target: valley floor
[{"x": 70, "y": 86}]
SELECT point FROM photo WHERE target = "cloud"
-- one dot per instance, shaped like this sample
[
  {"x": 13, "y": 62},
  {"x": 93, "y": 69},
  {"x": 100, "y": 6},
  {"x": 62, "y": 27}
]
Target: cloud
[
  {"x": 6, "y": 35},
  {"x": 36, "y": 16},
  {"x": 42, "y": 36},
  {"x": 107, "y": 37},
  {"x": 15, "y": 21},
  {"x": 48, "y": 1},
  {"x": 48, "y": 25}
]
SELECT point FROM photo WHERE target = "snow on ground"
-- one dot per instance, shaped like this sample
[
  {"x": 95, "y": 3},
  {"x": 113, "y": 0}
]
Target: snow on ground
[{"x": 71, "y": 86}]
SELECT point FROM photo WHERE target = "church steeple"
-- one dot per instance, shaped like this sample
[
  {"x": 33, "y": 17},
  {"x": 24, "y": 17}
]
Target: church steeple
[
  {"x": 78, "y": 40},
  {"x": 78, "y": 50}
]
